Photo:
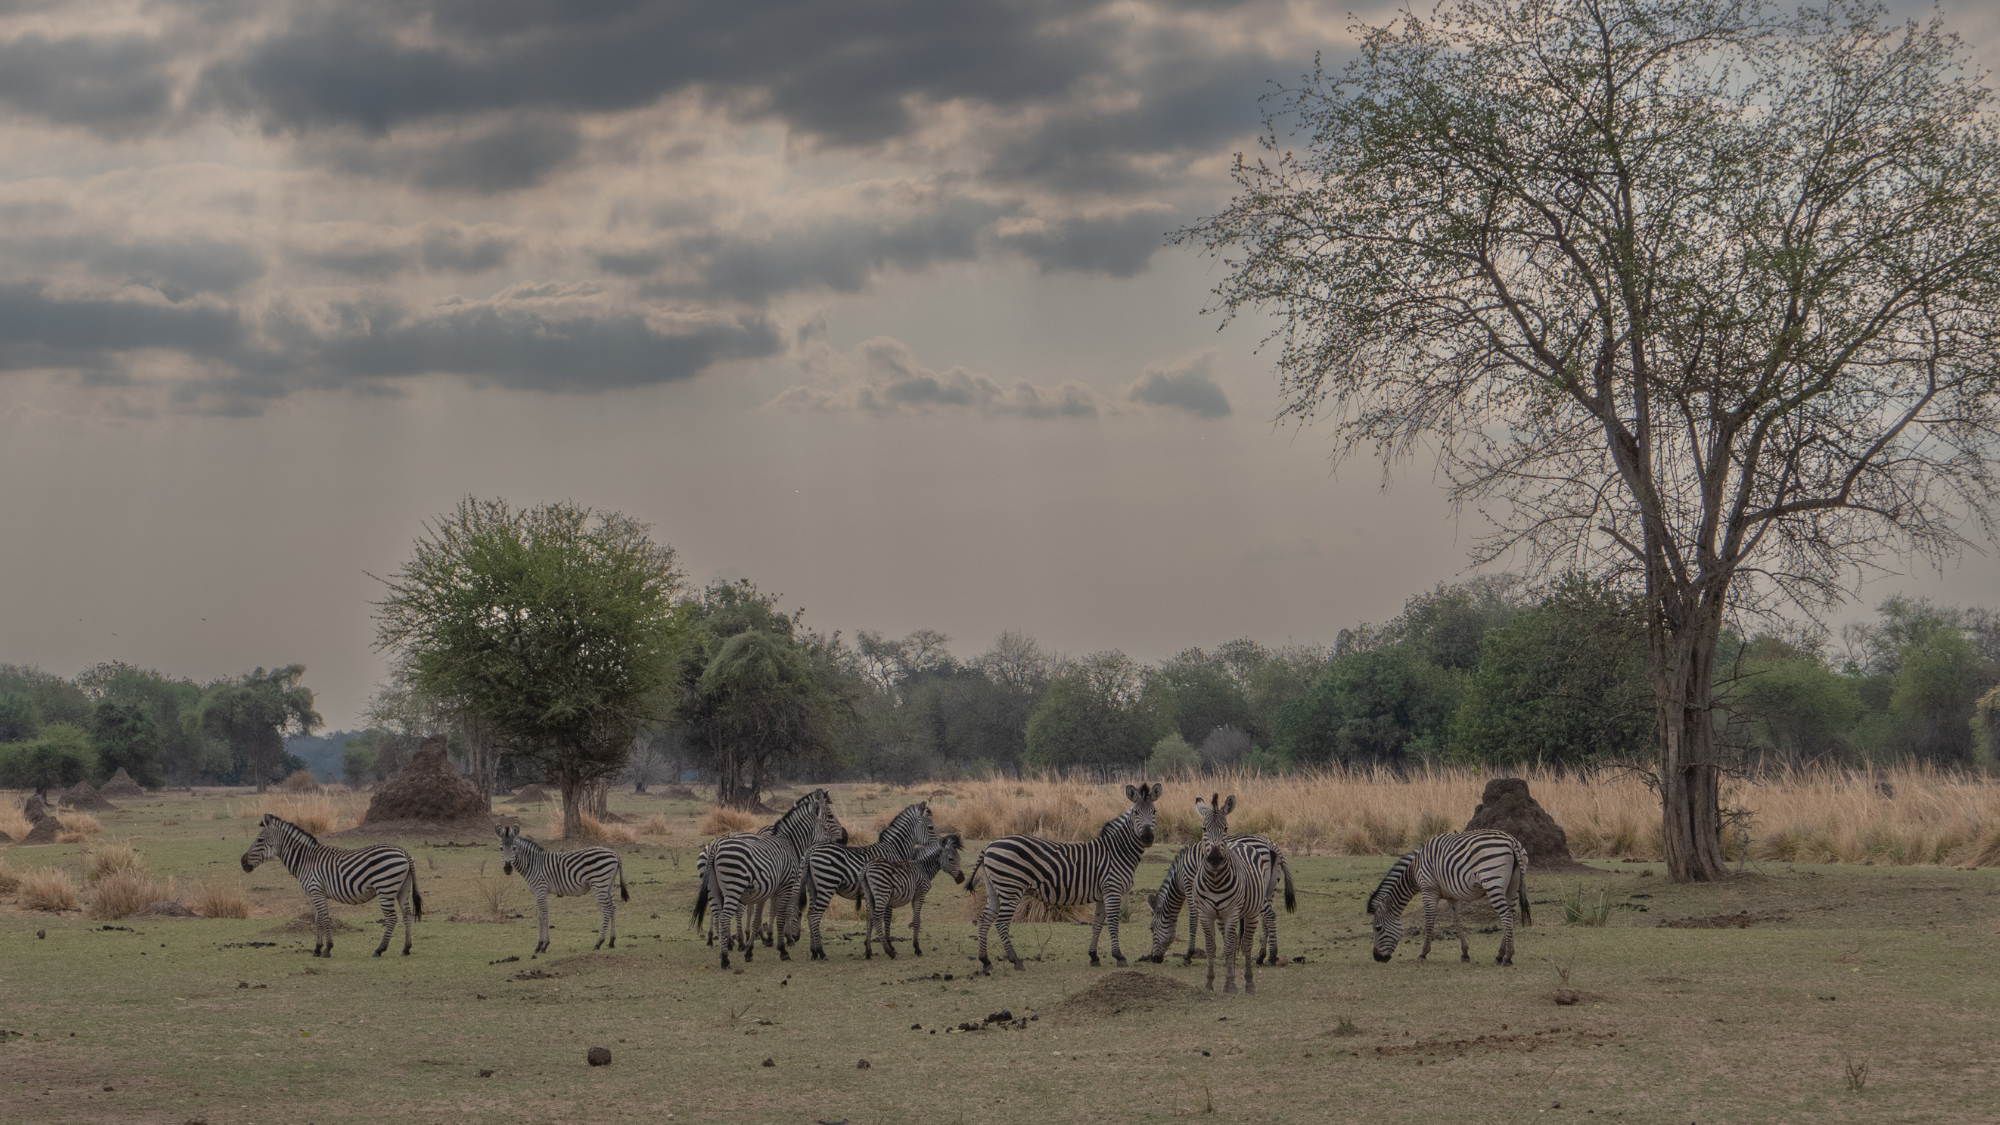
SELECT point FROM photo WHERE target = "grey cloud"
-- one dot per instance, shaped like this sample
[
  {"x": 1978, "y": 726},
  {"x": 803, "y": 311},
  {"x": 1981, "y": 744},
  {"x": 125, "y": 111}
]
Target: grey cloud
[
  {"x": 883, "y": 376},
  {"x": 842, "y": 254},
  {"x": 1117, "y": 245},
  {"x": 44, "y": 329},
  {"x": 180, "y": 268},
  {"x": 1188, "y": 384},
  {"x": 483, "y": 158},
  {"x": 114, "y": 85},
  {"x": 377, "y": 255}
]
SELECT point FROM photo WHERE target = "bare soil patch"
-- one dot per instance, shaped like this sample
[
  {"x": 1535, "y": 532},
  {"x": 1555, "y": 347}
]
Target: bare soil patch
[
  {"x": 1124, "y": 992},
  {"x": 303, "y": 924},
  {"x": 1504, "y": 1041},
  {"x": 1741, "y": 920},
  {"x": 165, "y": 908}
]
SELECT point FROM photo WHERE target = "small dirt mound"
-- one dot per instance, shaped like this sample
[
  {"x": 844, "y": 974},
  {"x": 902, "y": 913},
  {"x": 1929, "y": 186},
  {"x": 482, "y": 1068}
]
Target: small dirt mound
[
  {"x": 1507, "y": 807},
  {"x": 428, "y": 788},
  {"x": 303, "y": 924},
  {"x": 1742, "y": 921},
  {"x": 165, "y": 908},
  {"x": 83, "y": 798},
  {"x": 532, "y": 795},
  {"x": 43, "y": 828},
  {"x": 1122, "y": 993},
  {"x": 121, "y": 785}
]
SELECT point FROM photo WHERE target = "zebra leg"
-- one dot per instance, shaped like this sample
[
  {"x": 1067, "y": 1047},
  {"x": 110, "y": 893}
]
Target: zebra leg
[
  {"x": 1267, "y": 950},
  {"x": 1003, "y": 920},
  {"x": 607, "y": 930},
  {"x": 725, "y": 917},
  {"x": 986, "y": 918},
  {"x": 407, "y": 902},
  {"x": 1458, "y": 923},
  {"x": 1114, "y": 905},
  {"x": 1232, "y": 940},
  {"x": 322, "y": 924},
  {"x": 917, "y": 924},
  {"x": 542, "y": 917},
  {"x": 815, "y": 914},
  {"x": 1096, "y": 927},
  {"x": 1430, "y": 913},
  {"x": 388, "y": 900},
  {"x": 1192, "y": 923},
  {"x": 1208, "y": 931},
  {"x": 1249, "y": 941}
]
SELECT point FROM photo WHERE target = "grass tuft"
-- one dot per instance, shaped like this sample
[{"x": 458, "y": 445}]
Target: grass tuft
[
  {"x": 10, "y": 879},
  {"x": 82, "y": 824},
  {"x": 720, "y": 821},
  {"x": 47, "y": 888},
  {"x": 1580, "y": 911},
  {"x": 655, "y": 825},
  {"x": 12, "y": 822},
  {"x": 126, "y": 892},
  {"x": 219, "y": 900},
  {"x": 112, "y": 857}
]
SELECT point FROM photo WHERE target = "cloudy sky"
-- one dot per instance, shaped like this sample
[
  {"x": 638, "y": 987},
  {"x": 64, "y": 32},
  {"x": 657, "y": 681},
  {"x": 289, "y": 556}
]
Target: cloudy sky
[{"x": 867, "y": 302}]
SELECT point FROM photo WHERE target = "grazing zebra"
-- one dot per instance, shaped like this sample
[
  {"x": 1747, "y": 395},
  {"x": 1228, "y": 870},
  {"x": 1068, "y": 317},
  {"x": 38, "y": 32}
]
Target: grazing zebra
[
  {"x": 1099, "y": 871},
  {"x": 350, "y": 875},
  {"x": 561, "y": 874},
  {"x": 1166, "y": 902},
  {"x": 1228, "y": 887},
  {"x": 756, "y": 867},
  {"x": 835, "y": 869},
  {"x": 1455, "y": 867},
  {"x": 888, "y": 882}
]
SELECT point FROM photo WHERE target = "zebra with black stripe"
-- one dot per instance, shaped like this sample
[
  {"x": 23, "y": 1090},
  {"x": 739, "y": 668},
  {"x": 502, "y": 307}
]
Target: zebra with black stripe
[
  {"x": 1098, "y": 871},
  {"x": 350, "y": 875},
  {"x": 888, "y": 882},
  {"x": 834, "y": 870},
  {"x": 1456, "y": 867},
  {"x": 1226, "y": 889},
  {"x": 1166, "y": 902},
  {"x": 572, "y": 872},
  {"x": 749, "y": 868}
]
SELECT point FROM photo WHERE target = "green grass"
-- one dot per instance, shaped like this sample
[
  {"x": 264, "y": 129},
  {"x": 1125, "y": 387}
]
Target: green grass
[{"x": 1887, "y": 968}]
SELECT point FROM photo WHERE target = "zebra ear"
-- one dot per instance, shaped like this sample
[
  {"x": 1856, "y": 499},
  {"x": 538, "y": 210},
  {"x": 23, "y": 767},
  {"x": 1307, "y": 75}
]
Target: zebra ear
[
  {"x": 1229, "y": 805},
  {"x": 1132, "y": 793},
  {"x": 1201, "y": 808},
  {"x": 1158, "y": 788}
]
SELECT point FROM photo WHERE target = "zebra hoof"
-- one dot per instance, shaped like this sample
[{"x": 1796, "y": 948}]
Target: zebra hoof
[
  {"x": 1093, "y": 961},
  {"x": 1020, "y": 967},
  {"x": 406, "y": 951},
  {"x": 378, "y": 953},
  {"x": 1120, "y": 960}
]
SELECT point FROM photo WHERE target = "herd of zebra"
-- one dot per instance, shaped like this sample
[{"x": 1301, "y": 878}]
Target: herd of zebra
[{"x": 800, "y": 863}]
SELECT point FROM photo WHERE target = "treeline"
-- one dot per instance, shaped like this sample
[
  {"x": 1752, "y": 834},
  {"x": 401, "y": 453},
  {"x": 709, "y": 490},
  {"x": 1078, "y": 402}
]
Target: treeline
[{"x": 56, "y": 732}]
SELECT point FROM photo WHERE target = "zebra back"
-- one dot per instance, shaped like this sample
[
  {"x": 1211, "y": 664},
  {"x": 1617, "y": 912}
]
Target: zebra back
[{"x": 1457, "y": 866}]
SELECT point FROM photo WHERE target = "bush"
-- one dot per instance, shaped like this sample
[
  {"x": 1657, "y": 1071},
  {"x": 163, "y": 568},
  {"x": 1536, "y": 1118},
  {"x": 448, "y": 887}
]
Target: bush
[
  {"x": 1579, "y": 911},
  {"x": 79, "y": 824},
  {"x": 112, "y": 857},
  {"x": 721, "y": 821},
  {"x": 125, "y": 892},
  {"x": 58, "y": 759},
  {"x": 46, "y": 888},
  {"x": 1173, "y": 758},
  {"x": 216, "y": 900},
  {"x": 655, "y": 825},
  {"x": 301, "y": 781}
]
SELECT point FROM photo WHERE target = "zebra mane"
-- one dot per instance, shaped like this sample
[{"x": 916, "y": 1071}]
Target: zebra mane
[
  {"x": 287, "y": 828},
  {"x": 1393, "y": 883},
  {"x": 904, "y": 826},
  {"x": 522, "y": 843},
  {"x": 1114, "y": 823},
  {"x": 805, "y": 807}
]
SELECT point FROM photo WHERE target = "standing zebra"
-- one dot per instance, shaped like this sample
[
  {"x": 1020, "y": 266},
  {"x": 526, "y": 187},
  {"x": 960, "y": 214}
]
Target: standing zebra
[
  {"x": 1227, "y": 887},
  {"x": 888, "y": 882},
  {"x": 755, "y": 867},
  {"x": 1166, "y": 903},
  {"x": 1455, "y": 867},
  {"x": 350, "y": 875},
  {"x": 1099, "y": 871},
  {"x": 835, "y": 869},
  {"x": 561, "y": 874}
]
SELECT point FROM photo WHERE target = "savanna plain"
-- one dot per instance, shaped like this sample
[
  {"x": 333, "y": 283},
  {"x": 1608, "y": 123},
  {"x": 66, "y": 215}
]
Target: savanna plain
[{"x": 1844, "y": 974}]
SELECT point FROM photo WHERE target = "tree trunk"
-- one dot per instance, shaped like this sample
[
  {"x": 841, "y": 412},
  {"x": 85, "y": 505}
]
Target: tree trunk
[
  {"x": 1681, "y": 662},
  {"x": 572, "y": 802}
]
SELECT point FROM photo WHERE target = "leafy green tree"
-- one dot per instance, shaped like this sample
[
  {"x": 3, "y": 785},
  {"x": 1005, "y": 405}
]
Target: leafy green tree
[
  {"x": 253, "y": 713},
  {"x": 1376, "y": 706},
  {"x": 551, "y": 626},
  {"x": 125, "y": 737},
  {"x": 18, "y": 721},
  {"x": 56, "y": 758},
  {"x": 1088, "y": 717},
  {"x": 1700, "y": 291},
  {"x": 357, "y": 762},
  {"x": 1563, "y": 682},
  {"x": 760, "y": 704},
  {"x": 1193, "y": 693},
  {"x": 54, "y": 699},
  {"x": 1172, "y": 757}
]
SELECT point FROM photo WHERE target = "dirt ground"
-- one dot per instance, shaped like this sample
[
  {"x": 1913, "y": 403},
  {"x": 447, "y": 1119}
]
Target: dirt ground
[{"x": 1790, "y": 993}]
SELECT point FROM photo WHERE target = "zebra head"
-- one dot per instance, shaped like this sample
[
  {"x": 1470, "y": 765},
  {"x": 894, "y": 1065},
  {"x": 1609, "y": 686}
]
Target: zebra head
[
  {"x": 510, "y": 839},
  {"x": 1166, "y": 908},
  {"x": 1385, "y": 906},
  {"x": 1214, "y": 814},
  {"x": 1140, "y": 815},
  {"x": 273, "y": 834},
  {"x": 911, "y": 830},
  {"x": 827, "y": 828},
  {"x": 948, "y": 846}
]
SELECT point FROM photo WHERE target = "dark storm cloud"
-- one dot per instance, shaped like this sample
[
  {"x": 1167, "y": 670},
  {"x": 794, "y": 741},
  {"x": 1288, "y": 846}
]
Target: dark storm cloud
[
  {"x": 838, "y": 253},
  {"x": 178, "y": 267},
  {"x": 1120, "y": 245},
  {"x": 114, "y": 85},
  {"x": 1187, "y": 384},
  {"x": 484, "y": 158},
  {"x": 41, "y": 329}
]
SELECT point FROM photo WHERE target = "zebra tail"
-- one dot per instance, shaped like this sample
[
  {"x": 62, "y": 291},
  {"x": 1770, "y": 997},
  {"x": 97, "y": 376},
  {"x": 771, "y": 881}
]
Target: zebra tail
[
  {"x": 622, "y": 892},
  {"x": 701, "y": 903},
  {"x": 1521, "y": 892},
  {"x": 1291, "y": 901},
  {"x": 972, "y": 880},
  {"x": 416, "y": 898}
]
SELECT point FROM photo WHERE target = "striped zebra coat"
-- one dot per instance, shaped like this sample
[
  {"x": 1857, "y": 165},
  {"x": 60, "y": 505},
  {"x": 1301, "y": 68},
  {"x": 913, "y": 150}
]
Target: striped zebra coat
[
  {"x": 1456, "y": 867},
  {"x": 562, "y": 874},
  {"x": 749, "y": 868},
  {"x": 1099, "y": 871},
  {"x": 1166, "y": 903},
  {"x": 834, "y": 870},
  {"x": 1228, "y": 889},
  {"x": 888, "y": 882},
  {"x": 351, "y": 875}
]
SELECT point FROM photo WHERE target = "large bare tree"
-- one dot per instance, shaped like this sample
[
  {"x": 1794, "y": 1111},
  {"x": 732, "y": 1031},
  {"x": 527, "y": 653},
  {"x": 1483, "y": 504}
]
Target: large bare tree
[{"x": 1691, "y": 292}]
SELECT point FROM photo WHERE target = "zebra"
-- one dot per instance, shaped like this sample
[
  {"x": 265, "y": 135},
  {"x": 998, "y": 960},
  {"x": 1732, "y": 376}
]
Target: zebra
[
  {"x": 1166, "y": 902},
  {"x": 755, "y": 867},
  {"x": 561, "y": 874},
  {"x": 751, "y": 923},
  {"x": 835, "y": 869},
  {"x": 888, "y": 882},
  {"x": 1099, "y": 871},
  {"x": 1455, "y": 867},
  {"x": 350, "y": 875},
  {"x": 1228, "y": 887}
]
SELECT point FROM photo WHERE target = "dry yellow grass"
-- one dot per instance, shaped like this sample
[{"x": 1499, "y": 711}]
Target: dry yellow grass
[
  {"x": 11, "y": 821},
  {"x": 317, "y": 813},
  {"x": 111, "y": 857},
  {"x": 47, "y": 888},
  {"x": 301, "y": 781},
  {"x": 125, "y": 892},
  {"x": 655, "y": 825},
  {"x": 1817, "y": 816},
  {"x": 82, "y": 824},
  {"x": 10, "y": 879},
  {"x": 219, "y": 900},
  {"x": 591, "y": 829},
  {"x": 719, "y": 821}
]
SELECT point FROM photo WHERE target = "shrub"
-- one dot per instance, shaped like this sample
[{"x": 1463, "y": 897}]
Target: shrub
[
  {"x": 46, "y": 888},
  {"x": 12, "y": 822},
  {"x": 1579, "y": 911},
  {"x": 83, "y": 824},
  {"x": 1174, "y": 759},
  {"x": 494, "y": 889},
  {"x": 219, "y": 900},
  {"x": 655, "y": 825},
  {"x": 125, "y": 892},
  {"x": 112, "y": 857},
  {"x": 590, "y": 828},
  {"x": 721, "y": 821},
  {"x": 301, "y": 781},
  {"x": 317, "y": 813}
]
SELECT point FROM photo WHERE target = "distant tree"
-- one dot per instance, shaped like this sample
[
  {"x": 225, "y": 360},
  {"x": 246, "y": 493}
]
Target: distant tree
[
  {"x": 1194, "y": 693},
  {"x": 18, "y": 720},
  {"x": 1791, "y": 708},
  {"x": 1379, "y": 706},
  {"x": 760, "y": 704},
  {"x": 55, "y": 699},
  {"x": 58, "y": 756},
  {"x": 552, "y": 626},
  {"x": 1088, "y": 717},
  {"x": 1920, "y": 670},
  {"x": 253, "y": 713},
  {"x": 1699, "y": 291},
  {"x": 125, "y": 737},
  {"x": 186, "y": 754},
  {"x": 1173, "y": 758},
  {"x": 357, "y": 762}
]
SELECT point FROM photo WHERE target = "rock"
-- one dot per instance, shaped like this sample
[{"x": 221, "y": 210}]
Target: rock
[
  {"x": 1507, "y": 807},
  {"x": 428, "y": 788},
  {"x": 598, "y": 1056},
  {"x": 1567, "y": 996},
  {"x": 769, "y": 1062},
  {"x": 862, "y": 1065},
  {"x": 121, "y": 785}
]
